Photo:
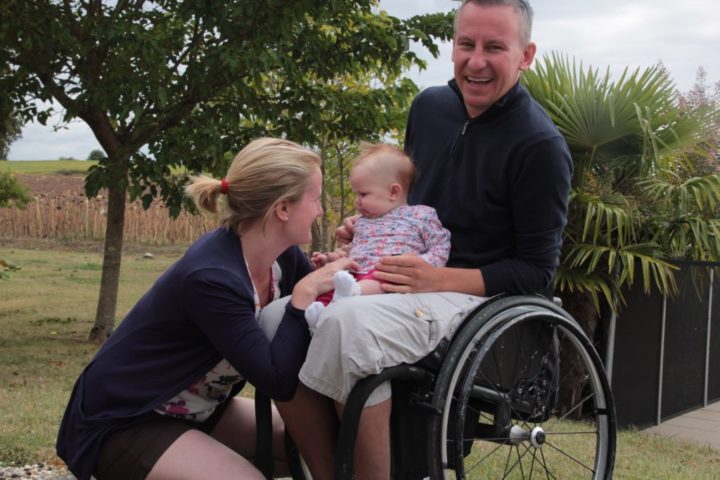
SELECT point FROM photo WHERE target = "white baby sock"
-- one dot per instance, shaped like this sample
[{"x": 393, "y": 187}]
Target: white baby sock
[
  {"x": 345, "y": 285},
  {"x": 312, "y": 314}
]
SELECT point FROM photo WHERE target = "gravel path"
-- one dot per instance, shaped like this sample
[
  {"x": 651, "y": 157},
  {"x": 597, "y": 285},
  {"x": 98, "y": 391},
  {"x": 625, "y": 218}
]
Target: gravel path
[{"x": 38, "y": 471}]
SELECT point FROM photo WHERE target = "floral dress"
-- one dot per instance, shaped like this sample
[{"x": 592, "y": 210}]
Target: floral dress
[{"x": 199, "y": 400}]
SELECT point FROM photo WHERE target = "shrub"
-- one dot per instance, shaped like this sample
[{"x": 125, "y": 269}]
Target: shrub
[{"x": 12, "y": 192}]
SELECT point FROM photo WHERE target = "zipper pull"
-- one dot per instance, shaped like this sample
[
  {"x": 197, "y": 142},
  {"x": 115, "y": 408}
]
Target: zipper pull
[{"x": 459, "y": 138}]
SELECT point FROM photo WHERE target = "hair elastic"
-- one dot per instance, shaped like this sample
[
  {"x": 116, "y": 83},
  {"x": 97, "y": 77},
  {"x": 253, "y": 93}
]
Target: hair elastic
[{"x": 223, "y": 186}]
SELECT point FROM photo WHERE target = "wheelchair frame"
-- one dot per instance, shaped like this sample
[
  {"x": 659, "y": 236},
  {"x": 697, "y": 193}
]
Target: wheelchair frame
[{"x": 471, "y": 395}]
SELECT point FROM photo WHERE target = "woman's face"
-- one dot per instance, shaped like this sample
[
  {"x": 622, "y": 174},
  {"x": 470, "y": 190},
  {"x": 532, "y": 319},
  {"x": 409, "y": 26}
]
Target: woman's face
[{"x": 302, "y": 214}]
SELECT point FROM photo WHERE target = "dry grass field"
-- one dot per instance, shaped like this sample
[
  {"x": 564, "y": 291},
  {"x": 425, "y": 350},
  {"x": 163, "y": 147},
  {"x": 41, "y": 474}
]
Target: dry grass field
[{"x": 61, "y": 211}]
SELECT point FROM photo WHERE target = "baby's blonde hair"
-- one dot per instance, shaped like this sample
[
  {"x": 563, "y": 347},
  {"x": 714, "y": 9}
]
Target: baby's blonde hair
[
  {"x": 388, "y": 160},
  {"x": 264, "y": 173}
]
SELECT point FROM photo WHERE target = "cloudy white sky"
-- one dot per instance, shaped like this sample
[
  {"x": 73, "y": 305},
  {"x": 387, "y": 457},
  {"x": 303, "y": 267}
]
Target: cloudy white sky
[{"x": 600, "y": 33}]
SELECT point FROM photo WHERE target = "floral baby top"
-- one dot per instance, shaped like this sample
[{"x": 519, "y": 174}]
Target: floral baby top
[
  {"x": 406, "y": 229},
  {"x": 199, "y": 400}
]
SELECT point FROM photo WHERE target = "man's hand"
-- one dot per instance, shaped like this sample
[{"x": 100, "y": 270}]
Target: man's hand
[
  {"x": 411, "y": 274},
  {"x": 408, "y": 274}
]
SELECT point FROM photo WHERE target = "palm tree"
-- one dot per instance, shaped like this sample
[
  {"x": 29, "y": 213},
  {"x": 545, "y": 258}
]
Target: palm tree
[{"x": 637, "y": 202}]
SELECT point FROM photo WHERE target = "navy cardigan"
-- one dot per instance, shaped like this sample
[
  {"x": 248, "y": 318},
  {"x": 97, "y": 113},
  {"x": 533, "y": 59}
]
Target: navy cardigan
[{"x": 199, "y": 311}]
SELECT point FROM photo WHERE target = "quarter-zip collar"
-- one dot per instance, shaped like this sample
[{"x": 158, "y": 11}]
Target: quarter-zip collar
[
  {"x": 489, "y": 115},
  {"x": 495, "y": 109}
]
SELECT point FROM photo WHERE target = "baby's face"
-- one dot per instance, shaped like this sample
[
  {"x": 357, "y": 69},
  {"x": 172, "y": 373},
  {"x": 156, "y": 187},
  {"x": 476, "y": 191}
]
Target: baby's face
[{"x": 373, "y": 195}]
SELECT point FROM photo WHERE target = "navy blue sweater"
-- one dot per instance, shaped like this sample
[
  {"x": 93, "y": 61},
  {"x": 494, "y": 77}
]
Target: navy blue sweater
[
  {"x": 499, "y": 182},
  {"x": 199, "y": 311}
]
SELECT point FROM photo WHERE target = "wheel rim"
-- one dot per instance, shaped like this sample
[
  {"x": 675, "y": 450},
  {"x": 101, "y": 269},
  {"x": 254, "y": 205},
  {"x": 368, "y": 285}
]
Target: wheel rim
[{"x": 512, "y": 436}]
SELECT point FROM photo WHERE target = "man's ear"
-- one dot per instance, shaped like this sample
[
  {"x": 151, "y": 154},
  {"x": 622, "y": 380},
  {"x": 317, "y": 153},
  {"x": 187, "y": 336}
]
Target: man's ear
[
  {"x": 281, "y": 210},
  {"x": 395, "y": 191},
  {"x": 528, "y": 56}
]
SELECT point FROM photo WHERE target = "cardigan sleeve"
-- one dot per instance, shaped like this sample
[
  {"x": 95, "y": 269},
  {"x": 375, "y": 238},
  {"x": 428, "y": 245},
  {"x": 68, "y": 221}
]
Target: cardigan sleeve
[{"x": 222, "y": 306}]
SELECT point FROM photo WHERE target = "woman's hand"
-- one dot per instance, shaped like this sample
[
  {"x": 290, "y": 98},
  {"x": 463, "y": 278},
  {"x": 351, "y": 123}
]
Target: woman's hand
[{"x": 319, "y": 282}]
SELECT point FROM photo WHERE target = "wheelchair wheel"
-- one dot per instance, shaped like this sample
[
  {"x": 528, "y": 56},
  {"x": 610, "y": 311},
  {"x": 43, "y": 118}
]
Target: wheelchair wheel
[{"x": 521, "y": 394}]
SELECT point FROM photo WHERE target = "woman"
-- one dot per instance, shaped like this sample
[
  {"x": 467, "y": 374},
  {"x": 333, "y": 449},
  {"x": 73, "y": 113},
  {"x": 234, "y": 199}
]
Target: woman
[{"x": 158, "y": 400}]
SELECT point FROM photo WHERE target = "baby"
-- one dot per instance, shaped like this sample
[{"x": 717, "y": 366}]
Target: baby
[{"x": 381, "y": 178}]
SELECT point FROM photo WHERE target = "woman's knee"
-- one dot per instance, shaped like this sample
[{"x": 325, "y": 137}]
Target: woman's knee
[{"x": 196, "y": 455}]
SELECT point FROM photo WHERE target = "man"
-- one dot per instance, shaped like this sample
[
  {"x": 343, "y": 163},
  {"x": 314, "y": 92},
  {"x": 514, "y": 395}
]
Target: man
[{"x": 496, "y": 169}]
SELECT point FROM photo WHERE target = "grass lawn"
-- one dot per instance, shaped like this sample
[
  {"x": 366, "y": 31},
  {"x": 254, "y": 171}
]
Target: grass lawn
[
  {"x": 47, "y": 166},
  {"x": 47, "y": 309}
]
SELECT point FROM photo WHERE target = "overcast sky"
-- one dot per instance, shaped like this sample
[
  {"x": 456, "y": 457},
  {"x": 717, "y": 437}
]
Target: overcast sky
[{"x": 599, "y": 33}]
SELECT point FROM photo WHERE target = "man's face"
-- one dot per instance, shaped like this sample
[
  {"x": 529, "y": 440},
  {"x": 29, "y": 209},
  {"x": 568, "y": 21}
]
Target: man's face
[{"x": 489, "y": 54}]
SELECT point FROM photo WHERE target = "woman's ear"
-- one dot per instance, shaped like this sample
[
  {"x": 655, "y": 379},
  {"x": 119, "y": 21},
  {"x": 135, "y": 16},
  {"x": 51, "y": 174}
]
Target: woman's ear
[{"x": 281, "y": 210}]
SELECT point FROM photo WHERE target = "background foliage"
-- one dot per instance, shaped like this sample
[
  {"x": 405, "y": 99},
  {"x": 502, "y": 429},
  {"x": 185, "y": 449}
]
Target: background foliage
[{"x": 170, "y": 86}]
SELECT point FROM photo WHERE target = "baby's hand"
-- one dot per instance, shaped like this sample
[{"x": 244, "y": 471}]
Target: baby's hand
[
  {"x": 345, "y": 232},
  {"x": 319, "y": 259},
  {"x": 337, "y": 254}
]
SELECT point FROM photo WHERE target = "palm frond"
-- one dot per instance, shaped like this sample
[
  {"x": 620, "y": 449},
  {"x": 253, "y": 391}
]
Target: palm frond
[
  {"x": 621, "y": 264},
  {"x": 634, "y": 203},
  {"x": 607, "y": 216},
  {"x": 568, "y": 280}
]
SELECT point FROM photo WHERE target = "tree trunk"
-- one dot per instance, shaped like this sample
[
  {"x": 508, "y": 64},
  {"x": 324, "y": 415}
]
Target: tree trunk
[
  {"x": 105, "y": 315},
  {"x": 582, "y": 309}
]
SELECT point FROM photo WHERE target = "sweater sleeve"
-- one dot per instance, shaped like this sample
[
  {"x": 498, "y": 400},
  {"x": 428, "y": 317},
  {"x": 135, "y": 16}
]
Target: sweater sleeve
[
  {"x": 540, "y": 184},
  {"x": 222, "y": 306}
]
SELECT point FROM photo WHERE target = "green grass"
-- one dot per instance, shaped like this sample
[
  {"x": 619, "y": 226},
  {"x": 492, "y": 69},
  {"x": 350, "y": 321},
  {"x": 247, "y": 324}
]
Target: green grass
[
  {"x": 47, "y": 166},
  {"x": 639, "y": 456},
  {"x": 46, "y": 312},
  {"x": 47, "y": 309}
]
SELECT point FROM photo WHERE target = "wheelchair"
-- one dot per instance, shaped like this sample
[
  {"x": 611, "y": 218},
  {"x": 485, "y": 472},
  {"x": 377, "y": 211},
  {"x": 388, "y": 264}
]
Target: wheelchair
[{"x": 517, "y": 392}]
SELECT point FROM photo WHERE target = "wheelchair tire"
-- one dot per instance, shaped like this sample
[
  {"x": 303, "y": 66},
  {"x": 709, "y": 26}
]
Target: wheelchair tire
[{"x": 521, "y": 393}]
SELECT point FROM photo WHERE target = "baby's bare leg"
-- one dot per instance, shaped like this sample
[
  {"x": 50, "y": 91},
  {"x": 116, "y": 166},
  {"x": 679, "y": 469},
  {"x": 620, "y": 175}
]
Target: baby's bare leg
[{"x": 370, "y": 287}]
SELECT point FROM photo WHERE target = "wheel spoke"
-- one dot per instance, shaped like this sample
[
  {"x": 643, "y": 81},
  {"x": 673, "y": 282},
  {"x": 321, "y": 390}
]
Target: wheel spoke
[
  {"x": 570, "y": 457},
  {"x": 550, "y": 393},
  {"x": 579, "y": 404}
]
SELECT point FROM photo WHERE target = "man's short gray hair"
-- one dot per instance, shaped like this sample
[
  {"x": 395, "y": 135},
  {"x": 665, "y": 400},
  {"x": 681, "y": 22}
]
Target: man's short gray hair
[{"x": 522, "y": 6}]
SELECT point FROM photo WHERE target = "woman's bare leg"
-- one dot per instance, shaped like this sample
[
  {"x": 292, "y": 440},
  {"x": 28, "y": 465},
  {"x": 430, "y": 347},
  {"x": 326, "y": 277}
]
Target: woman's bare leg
[
  {"x": 237, "y": 430},
  {"x": 196, "y": 455},
  {"x": 310, "y": 418}
]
